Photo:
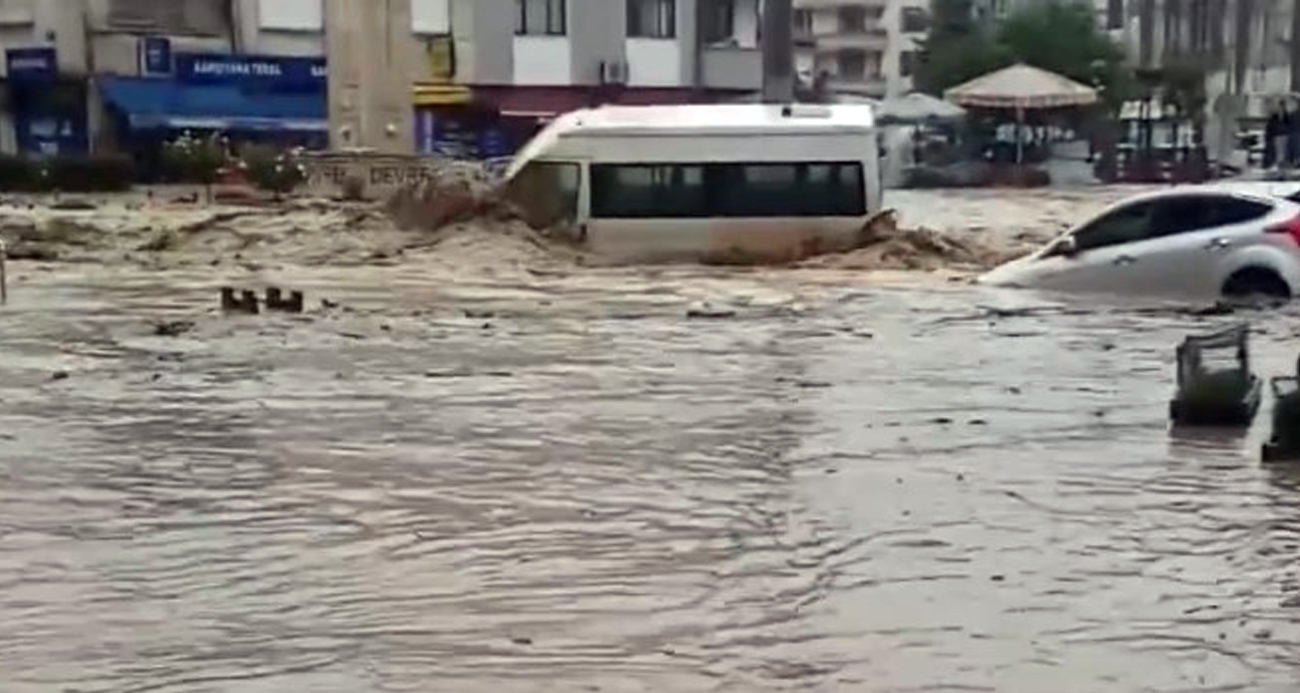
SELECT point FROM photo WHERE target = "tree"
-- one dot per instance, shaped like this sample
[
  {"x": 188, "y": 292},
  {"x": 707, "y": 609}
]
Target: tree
[
  {"x": 1063, "y": 38},
  {"x": 955, "y": 49},
  {"x": 1058, "y": 36},
  {"x": 959, "y": 59}
]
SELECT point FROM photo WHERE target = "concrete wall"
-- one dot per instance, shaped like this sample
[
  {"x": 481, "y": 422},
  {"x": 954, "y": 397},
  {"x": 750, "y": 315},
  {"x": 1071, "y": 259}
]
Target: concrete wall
[
  {"x": 27, "y": 23},
  {"x": 484, "y": 32},
  {"x": 733, "y": 68},
  {"x": 379, "y": 175},
  {"x": 368, "y": 47},
  {"x": 542, "y": 60},
  {"x": 256, "y": 35},
  {"x": 655, "y": 63},
  {"x": 598, "y": 31},
  {"x": 115, "y": 45},
  {"x": 489, "y": 52},
  {"x": 688, "y": 40}
]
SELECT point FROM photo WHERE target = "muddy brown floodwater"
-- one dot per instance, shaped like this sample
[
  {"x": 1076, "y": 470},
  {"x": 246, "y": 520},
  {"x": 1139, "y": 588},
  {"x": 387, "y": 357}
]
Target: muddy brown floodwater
[{"x": 554, "y": 480}]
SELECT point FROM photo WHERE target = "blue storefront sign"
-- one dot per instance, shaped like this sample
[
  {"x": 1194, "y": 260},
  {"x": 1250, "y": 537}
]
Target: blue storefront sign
[
  {"x": 272, "y": 73},
  {"x": 49, "y": 116},
  {"x": 447, "y": 135},
  {"x": 32, "y": 65},
  {"x": 155, "y": 55}
]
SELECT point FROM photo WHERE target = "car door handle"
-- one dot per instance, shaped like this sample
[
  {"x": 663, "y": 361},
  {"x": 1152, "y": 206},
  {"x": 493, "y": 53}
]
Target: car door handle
[
  {"x": 1218, "y": 244},
  {"x": 1124, "y": 260}
]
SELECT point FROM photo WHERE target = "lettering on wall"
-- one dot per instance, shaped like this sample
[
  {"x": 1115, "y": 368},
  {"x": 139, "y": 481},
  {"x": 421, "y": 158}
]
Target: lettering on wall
[{"x": 375, "y": 174}]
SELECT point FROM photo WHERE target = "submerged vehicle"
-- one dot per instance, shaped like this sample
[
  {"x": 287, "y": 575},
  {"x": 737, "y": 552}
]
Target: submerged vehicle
[
  {"x": 1191, "y": 241},
  {"x": 703, "y": 182}
]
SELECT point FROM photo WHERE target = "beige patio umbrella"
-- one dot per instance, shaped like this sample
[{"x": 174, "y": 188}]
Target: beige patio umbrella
[{"x": 1021, "y": 87}]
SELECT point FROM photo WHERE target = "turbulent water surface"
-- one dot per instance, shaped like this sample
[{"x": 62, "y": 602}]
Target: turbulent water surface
[{"x": 564, "y": 482}]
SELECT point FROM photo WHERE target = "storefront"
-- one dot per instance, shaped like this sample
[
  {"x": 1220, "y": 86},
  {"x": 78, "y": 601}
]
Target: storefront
[
  {"x": 449, "y": 123},
  {"x": 47, "y": 110},
  {"x": 247, "y": 98}
]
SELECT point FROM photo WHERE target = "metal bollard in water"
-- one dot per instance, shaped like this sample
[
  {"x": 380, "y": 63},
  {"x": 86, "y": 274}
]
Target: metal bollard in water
[{"x": 4, "y": 279}]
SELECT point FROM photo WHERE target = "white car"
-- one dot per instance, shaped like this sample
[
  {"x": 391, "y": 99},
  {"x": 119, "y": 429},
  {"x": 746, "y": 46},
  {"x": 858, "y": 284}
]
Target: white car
[{"x": 1194, "y": 241}]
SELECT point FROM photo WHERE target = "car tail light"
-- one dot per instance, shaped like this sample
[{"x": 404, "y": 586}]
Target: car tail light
[{"x": 1290, "y": 227}]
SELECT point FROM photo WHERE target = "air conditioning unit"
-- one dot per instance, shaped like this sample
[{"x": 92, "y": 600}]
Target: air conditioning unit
[{"x": 613, "y": 72}]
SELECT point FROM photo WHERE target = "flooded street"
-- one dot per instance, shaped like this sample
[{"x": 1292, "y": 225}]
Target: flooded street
[{"x": 568, "y": 479}]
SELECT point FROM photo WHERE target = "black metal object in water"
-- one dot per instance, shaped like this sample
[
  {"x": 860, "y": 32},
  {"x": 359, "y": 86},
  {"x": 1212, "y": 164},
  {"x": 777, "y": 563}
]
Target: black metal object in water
[
  {"x": 1218, "y": 397},
  {"x": 1284, "y": 444}
]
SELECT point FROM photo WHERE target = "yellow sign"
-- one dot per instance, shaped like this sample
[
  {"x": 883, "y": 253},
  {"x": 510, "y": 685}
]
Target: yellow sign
[
  {"x": 438, "y": 90},
  {"x": 441, "y": 95},
  {"x": 441, "y": 53}
]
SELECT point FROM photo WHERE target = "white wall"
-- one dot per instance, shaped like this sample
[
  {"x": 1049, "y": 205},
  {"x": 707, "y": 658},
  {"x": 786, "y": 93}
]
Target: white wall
[
  {"x": 280, "y": 38},
  {"x": 431, "y": 17},
  {"x": 543, "y": 60},
  {"x": 291, "y": 15},
  {"x": 746, "y": 24},
  {"x": 653, "y": 62},
  {"x": 825, "y": 21}
]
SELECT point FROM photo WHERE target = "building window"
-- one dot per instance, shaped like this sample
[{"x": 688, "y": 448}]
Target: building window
[
  {"x": 719, "y": 22},
  {"x": 540, "y": 18},
  {"x": 852, "y": 19},
  {"x": 652, "y": 19},
  {"x": 915, "y": 20},
  {"x": 852, "y": 64},
  {"x": 699, "y": 191},
  {"x": 906, "y": 63},
  {"x": 201, "y": 17},
  {"x": 803, "y": 23}
]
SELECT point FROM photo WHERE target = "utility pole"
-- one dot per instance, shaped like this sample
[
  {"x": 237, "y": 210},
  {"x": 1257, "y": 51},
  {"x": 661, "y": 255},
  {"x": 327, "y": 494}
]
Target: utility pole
[{"x": 778, "y": 51}]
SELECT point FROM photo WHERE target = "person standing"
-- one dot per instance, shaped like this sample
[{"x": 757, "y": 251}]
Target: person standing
[{"x": 1280, "y": 137}]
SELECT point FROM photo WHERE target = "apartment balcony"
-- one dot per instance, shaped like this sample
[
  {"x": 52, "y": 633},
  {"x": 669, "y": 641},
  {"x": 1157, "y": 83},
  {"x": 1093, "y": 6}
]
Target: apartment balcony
[
  {"x": 731, "y": 67},
  {"x": 872, "y": 86},
  {"x": 872, "y": 39},
  {"x": 833, "y": 4}
]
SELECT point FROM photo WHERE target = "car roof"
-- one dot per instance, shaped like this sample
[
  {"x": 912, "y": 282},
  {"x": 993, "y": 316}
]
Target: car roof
[{"x": 1260, "y": 192}]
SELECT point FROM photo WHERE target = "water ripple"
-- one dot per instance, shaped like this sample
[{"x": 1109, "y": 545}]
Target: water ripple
[{"x": 844, "y": 488}]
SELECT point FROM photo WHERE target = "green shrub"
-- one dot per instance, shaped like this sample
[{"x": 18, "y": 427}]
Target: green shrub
[
  {"x": 16, "y": 174},
  {"x": 101, "y": 173},
  {"x": 277, "y": 171},
  {"x": 195, "y": 160}
]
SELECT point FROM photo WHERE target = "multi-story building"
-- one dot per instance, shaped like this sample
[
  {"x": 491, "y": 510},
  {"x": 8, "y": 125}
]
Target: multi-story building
[
  {"x": 87, "y": 74},
  {"x": 1247, "y": 47},
  {"x": 548, "y": 55},
  {"x": 44, "y": 70},
  {"x": 865, "y": 47}
]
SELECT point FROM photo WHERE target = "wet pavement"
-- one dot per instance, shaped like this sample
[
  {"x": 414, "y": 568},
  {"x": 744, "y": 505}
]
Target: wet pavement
[{"x": 564, "y": 483}]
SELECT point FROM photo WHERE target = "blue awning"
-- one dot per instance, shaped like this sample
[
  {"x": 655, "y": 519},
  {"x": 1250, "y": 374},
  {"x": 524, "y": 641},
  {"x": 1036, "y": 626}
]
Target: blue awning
[{"x": 149, "y": 104}]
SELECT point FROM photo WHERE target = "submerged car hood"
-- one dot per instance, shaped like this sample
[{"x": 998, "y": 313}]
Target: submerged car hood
[{"x": 1008, "y": 273}]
